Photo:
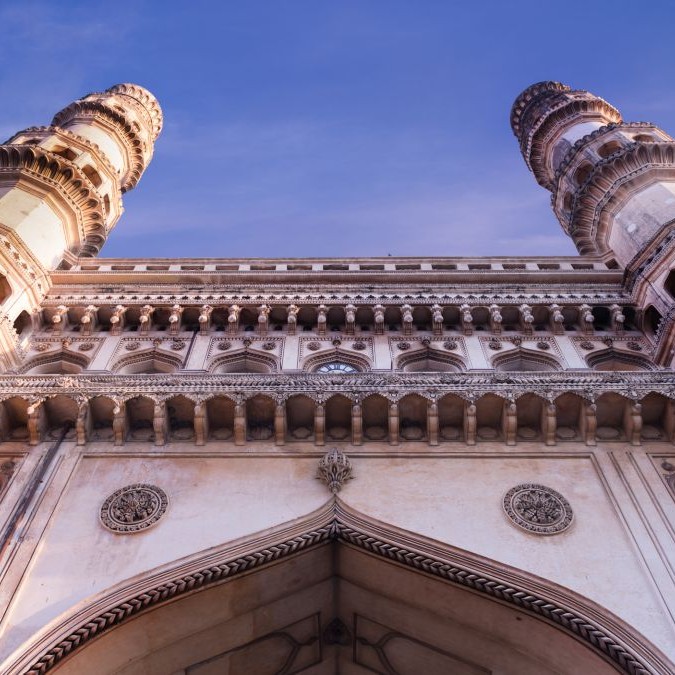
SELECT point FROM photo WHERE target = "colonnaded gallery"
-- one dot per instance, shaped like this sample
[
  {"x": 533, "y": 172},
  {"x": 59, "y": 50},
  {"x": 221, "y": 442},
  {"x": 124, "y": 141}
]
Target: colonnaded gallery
[{"x": 389, "y": 465}]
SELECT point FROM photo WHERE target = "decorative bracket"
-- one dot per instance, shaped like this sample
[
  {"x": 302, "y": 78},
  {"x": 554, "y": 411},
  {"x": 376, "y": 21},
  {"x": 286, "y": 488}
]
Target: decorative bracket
[{"x": 334, "y": 469}]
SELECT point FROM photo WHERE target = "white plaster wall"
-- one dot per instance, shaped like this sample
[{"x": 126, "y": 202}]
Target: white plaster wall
[
  {"x": 113, "y": 150},
  {"x": 39, "y": 227},
  {"x": 217, "y": 499},
  {"x": 641, "y": 218}
]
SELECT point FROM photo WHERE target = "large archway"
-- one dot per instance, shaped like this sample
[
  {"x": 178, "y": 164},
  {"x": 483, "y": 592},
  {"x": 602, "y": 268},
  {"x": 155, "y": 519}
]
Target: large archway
[{"x": 337, "y": 592}]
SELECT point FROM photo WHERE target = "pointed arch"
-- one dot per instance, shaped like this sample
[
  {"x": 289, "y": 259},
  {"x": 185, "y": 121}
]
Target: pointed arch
[
  {"x": 431, "y": 360},
  {"x": 525, "y": 360},
  {"x": 148, "y": 362},
  {"x": 248, "y": 361},
  {"x": 614, "y": 359},
  {"x": 359, "y": 363},
  {"x": 57, "y": 363},
  {"x": 608, "y": 638}
]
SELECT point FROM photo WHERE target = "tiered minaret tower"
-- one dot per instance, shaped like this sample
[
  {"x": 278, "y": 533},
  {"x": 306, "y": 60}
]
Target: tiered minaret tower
[
  {"x": 60, "y": 194},
  {"x": 613, "y": 190}
]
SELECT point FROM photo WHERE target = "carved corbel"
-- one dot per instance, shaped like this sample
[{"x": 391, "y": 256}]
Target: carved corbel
[
  {"x": 466, "y": 319},
  {"x": 205, "y": 319},
  {"x": 432, "y": 422},
  {"x": 280, "y": 422},
  {"x": 557, "y": 320},
  {"x": 174, "y": 319},
  {"x": 350, "y": 319},
  {"x": 36, "y": 422},
  {"x": 495, "y": 319},
  {"x": 321, "y": 319},
  {"x": 394, "y": 423},
  {"x": 5, "y": 430},
  {"x": 233, "y": 312},
  {"x": 526, "y": 319},
  {"x": 145, "y": 319},
  {"x": 160, "y": 424},
  {"x": 549, "y": 422},
  {"x": 588, "y": 422},
  {"x": 618, "y": 319},
  {"x": 119, "y": 424},
  {"x": 88, "y": 320},
  {"x": 60, "y": 319},
  {"x": 632, "y": 422},
  {"x": 117, "y": 320},
  {"x": 201, "y": 423},
  {"x": 83, "y": 423},
  {"x": 239, "y": 423},
  {"x": 292, "y": 318},
  {"x": 407, "y": 319},
  {"x": 357, "y": 423},
  {"x": 319, "y": 424},
  {"x": 586, "y": 319},
  {"x": 263, "y": 318},
  {"x": 36, "y": 320},
  {"x": 437, "y": 319},
  {"x": 378, "y": 319},
  {"x": 470, "y": 423},
  {"x": 510, "y": 422}
]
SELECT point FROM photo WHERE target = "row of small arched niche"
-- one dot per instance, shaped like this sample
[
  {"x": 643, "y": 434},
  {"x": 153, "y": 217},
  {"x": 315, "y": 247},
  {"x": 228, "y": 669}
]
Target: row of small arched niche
[{"x": 298, "y": 418}]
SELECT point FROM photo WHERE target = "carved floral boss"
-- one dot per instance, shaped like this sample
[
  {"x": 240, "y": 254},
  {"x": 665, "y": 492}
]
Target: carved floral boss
[{"x": 133, "y": 508}]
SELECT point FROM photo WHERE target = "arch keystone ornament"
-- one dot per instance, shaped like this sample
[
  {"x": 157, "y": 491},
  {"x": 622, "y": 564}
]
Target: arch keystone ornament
[
  {"x": 537, "y": 508},
  {"x": 133, "y": 508}
]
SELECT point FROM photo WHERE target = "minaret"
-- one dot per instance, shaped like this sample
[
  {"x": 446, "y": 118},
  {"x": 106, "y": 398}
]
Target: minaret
[
  {"x": 613, "y": 190},
  {"x": 60, "y": 194}
]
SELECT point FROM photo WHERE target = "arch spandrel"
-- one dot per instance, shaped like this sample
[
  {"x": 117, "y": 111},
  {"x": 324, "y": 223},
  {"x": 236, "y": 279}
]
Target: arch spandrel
[{"x": 435, "y": 600}]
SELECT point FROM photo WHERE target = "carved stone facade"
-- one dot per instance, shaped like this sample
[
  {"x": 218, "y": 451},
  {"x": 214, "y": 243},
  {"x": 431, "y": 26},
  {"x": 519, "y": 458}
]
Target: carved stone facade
[{"x": 479, "y": 402}]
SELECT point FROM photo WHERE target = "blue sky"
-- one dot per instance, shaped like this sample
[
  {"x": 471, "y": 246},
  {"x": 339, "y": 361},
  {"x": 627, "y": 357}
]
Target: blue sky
[{"x": 342, "y": 128}]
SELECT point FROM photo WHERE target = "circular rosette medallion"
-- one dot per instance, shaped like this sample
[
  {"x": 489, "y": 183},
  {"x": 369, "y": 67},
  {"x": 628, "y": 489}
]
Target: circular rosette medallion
[
  {"x": 133, "y": 508},
  {"x": 537, "y": 508}
]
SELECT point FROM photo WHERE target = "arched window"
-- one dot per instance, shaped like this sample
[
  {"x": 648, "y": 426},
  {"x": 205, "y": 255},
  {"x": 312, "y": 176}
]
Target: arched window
[
  {"x": 522, "y": 360},
  {"x": 337, "y": 367},
  {"x": 652, "y": 319},
  {"x": 23, "y": 323},
  {"x": 5, "y": 288},
  {"x": 582, "y": 173},
  {"x": 670, "y": 283},
  {"x": 609, "y": 148},
  {"x": 93, "y": 175}
]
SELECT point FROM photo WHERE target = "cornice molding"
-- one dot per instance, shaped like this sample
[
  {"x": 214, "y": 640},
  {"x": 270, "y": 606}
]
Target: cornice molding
[
  {"x": 71, "y": 183},
  {"x": 470, "y": 386}
]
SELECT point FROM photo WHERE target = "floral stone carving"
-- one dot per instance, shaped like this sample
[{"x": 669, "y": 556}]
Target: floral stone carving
[
  {"x": 133, "y": 508},
  {"x": 538, "y": 509},
  {"x": 334, "y": 469}
]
